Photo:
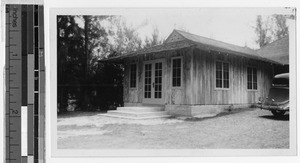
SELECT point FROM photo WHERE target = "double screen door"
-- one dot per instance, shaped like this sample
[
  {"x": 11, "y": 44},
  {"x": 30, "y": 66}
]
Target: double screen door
[{"x": 153, "y": 82}]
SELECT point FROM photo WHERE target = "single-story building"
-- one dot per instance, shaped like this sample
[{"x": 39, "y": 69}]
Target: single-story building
[{"x": 191, "y": 74}]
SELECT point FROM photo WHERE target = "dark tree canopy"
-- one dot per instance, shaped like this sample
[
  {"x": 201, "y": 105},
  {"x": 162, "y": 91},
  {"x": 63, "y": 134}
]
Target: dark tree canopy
[{"x": 81, "y": 42}]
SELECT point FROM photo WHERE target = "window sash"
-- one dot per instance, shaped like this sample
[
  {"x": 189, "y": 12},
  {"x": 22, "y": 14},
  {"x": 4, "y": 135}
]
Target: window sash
[
  {"x": 222, "y": 74},
  {"x": 176, "y": 72},
  {"x": 133, "y": 75},
  {"x": 251, "y": 78}
]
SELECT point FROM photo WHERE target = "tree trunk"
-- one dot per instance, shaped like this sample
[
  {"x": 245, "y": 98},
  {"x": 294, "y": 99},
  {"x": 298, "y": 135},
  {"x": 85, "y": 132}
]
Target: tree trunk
[{"x": 86, "y": 103}]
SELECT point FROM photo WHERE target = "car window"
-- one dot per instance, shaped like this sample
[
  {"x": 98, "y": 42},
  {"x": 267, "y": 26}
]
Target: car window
[{"x": 280, "y": 82}]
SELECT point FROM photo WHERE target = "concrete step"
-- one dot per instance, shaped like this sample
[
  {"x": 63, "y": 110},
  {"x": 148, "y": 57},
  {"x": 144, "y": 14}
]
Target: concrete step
[
  {"x": 140, "y": 109},
  {"x": 136, "y": 114}
]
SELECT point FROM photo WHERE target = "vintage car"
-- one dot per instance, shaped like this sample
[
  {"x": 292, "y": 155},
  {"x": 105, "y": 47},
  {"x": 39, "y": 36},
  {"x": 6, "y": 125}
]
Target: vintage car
[{"x": 278, "y": 99}]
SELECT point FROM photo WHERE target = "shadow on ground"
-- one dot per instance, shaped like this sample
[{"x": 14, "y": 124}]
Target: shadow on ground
[
  {"x": 228, "y": 112},
  {"x": 73, "y": 114},
  {"x": 285, "y": 117}
]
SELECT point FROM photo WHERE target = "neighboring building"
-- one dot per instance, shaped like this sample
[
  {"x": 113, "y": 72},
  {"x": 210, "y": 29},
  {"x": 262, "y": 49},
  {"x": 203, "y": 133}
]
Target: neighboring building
[
  {"x": 277, "y": 51},
  {"x": 192, "y": 75}
]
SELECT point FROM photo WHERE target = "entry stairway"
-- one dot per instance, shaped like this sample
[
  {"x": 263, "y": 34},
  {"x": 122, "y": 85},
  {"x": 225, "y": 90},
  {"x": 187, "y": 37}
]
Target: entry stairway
[{"x": 138, "y": 112}]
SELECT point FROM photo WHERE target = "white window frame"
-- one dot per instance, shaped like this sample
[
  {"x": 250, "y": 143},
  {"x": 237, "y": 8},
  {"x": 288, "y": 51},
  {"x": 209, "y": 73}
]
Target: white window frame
[
  {"x": 181, "y": 71},
  {"x": 215, "y": 76},
  {"x": 252, "y": 78},
  {"x": 136, "y": 76}
]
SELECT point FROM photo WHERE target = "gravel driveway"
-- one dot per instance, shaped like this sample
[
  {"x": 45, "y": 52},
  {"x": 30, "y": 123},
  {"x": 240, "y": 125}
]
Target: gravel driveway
[{"x": 246, "y": 129}]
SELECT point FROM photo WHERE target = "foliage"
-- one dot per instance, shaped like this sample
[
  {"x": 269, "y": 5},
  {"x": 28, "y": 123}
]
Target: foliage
[
  {"x": 81, "y": 42},
  {"x": 154, "y": 40},
  {"x": 280, "y": 29},
  {"x": 261, "y": 31},
  {"x": 272, "y": 28},
  {"x": 124, "y": 39}
]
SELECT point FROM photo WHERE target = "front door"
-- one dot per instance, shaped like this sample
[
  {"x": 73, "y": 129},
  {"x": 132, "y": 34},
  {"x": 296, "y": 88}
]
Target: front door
[{"x": 153, "y": 82}]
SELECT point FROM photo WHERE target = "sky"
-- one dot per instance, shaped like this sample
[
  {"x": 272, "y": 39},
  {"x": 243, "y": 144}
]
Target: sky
[{"x": 230, "y": 25}]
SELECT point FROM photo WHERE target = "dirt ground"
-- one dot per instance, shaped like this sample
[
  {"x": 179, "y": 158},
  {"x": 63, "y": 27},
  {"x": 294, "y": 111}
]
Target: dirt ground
[{"x": 243, "y": 129}]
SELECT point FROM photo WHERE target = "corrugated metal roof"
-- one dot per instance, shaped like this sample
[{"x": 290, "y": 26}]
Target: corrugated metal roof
[
  {"x": 155, "y": 49},
  {"x": 215, "y": 43},
  {"x": 211, "y": 44},
  {"x": 202, "y": 43}
]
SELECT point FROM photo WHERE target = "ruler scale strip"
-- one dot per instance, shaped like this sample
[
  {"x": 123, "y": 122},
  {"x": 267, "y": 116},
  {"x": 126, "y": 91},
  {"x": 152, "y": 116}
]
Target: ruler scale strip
[
  {"x": 24, "y": 108},
  {"x": 25, "y": 84},
  {"x": 42, "y": 82},
  {"x": 7, "y": 140},
  {"x": 14, "y": 55},
  {"x": 24, "y": 55},
  {"x": 30, "y": 83},
  {"x": 36, "y": 85}
]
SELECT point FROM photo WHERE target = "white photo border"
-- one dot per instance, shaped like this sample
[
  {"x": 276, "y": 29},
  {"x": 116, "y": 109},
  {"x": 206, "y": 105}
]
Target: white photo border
[{"x": 51, "y": 85}]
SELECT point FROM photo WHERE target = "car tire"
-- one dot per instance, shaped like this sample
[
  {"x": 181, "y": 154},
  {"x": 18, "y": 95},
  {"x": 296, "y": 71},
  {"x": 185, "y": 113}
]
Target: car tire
[{"x": 278, "y": 113}]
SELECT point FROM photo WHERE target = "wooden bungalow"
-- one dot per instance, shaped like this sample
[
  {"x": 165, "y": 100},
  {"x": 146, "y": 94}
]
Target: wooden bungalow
[{"x": 190, "y": 74}]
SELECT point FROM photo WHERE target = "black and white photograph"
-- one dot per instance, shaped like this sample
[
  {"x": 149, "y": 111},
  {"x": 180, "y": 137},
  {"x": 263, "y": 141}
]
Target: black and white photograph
[
  {"x": 149, "y": 81},
  {"x": 174, "y": 78}
]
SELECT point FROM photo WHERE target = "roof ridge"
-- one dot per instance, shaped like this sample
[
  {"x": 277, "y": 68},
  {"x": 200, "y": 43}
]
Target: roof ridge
[{"x": 212, "y": 40}]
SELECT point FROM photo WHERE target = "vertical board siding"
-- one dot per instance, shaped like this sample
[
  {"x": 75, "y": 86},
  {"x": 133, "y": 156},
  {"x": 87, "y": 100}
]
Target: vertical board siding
[
  {"x": 198, "y": 84},
  {"x": 205, "y": 93},
  {"x": 140, "y": 85}
]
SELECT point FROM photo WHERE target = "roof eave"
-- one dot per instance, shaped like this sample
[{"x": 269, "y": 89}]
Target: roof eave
[
  {"x": 208, "y": 48},
  {"x": 144, "y": 51}
]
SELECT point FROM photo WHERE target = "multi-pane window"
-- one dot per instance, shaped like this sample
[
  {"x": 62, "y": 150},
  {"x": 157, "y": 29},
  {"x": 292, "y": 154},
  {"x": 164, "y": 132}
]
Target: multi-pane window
[
  {"x": 251, "y": 78},
  {"x": 148, "y": 75},
  {"x": 158, "y": 80},
  {"x": 222, "y": 74},
  {"x": 133, "y": 68},
  {"x": 176, "y": 72}
]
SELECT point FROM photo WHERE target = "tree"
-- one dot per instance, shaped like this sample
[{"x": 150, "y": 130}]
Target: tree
[
  {"x": 69, "y": 54},
  {"x": 81, "y": 42},
  {"x": 154, "y": 40},
  {"x": 76, "y": 45},
  {"x": 281, "y": 29},
  {"x": 261, "y": 31},
  {"x": 270, "y": 29},
  {"x": 123, "y": 38},
  {"x": 95, "y": 37}
]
